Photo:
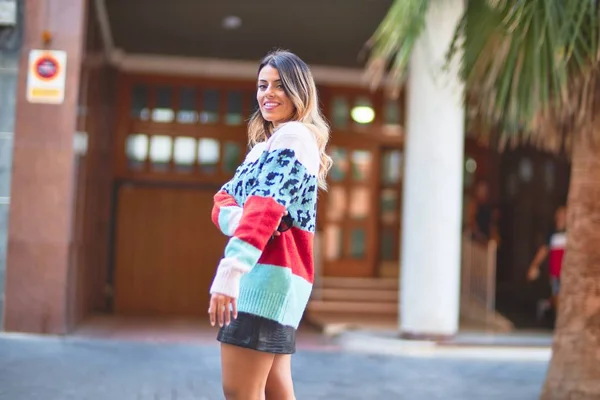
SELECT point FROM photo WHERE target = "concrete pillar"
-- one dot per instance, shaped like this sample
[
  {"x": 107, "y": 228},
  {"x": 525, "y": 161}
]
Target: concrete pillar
[
  {"x": 432, "y": 198},
  {"x": 42, "y": 204}
]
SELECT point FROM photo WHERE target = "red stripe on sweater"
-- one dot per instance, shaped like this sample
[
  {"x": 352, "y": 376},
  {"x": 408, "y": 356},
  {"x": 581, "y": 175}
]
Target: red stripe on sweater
[
  {"x": 293, "y": 249},
  {"x": 260, "y": 219},
  {"x": 221, "y": 199}
]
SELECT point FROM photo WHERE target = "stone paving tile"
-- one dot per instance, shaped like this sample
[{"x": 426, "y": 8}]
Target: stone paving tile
[{"x": 88, "y": 369}]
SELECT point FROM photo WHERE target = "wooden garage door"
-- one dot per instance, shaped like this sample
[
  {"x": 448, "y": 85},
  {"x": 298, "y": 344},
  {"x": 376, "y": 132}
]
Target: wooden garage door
[
  {"x": 177, "y": 142},
  {"x": 167, "y": 250}
]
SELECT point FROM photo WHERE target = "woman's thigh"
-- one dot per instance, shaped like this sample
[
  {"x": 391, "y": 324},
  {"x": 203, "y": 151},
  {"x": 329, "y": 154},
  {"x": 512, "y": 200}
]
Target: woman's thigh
[
  {"x": 244, "y": 372},
  {"x": 279, "y": 382}
]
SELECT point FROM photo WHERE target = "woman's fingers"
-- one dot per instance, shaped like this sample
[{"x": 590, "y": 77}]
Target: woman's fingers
[
  {"x": 234, "y": 308},
  {"x": 227, "y": 311},
  {"x": 216, "y": 309},
  {"x": 277, "y": 233},
  {"x": 212, "y": 310},
  {"x": 221, "y": 308}
]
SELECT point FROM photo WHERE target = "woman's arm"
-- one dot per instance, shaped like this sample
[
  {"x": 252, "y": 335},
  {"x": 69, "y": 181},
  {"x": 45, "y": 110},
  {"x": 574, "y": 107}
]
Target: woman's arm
[
  {"x": 226, "y": 212},
  {"x": 290, "y": 167}
]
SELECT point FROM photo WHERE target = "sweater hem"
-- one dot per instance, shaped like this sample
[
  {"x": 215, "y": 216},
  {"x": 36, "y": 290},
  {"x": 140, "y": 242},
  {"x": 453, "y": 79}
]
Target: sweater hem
[{"x": 266, "y": 304}]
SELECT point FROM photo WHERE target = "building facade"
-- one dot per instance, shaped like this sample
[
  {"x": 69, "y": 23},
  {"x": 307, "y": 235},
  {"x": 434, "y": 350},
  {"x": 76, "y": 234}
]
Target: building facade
[
  {"x": 11, "y": 32},
  {"x": 111, "y": 190}
]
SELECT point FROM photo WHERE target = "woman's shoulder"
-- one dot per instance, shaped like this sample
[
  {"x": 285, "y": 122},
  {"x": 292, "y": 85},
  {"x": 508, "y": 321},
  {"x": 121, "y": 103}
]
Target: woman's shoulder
[
  {"x": 255, "y": 152},
  {"x": 296, "y": 129},
  {"x": 294, "y": 126},
  {"x": 295, "y": 135}
]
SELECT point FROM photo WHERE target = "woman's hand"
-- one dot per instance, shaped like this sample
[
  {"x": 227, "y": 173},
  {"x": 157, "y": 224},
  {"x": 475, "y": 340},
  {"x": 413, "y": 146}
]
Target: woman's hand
[
  {"x": 277, "y": 233},
  {"x": 221, "y": 308}
]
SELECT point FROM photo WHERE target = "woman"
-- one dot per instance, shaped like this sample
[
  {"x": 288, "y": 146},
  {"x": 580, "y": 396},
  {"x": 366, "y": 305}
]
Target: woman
[{"x": 263, "y": 283}]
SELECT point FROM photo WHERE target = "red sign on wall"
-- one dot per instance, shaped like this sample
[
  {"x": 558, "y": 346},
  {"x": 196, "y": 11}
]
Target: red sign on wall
[
  {"x": 46, "y": 67},
  {"x": 46, "y": 76}
]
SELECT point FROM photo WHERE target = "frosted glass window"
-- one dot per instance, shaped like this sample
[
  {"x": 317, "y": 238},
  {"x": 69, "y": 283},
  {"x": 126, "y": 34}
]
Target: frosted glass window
[
  {"x": 209, "y": 154},
  {"x": 185, "y": 150},
  {"x": 136, "y": 147},
  {"x": 160, "y": 149}
]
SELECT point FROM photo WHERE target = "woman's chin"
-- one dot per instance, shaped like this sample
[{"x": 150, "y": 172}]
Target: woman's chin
[
  {"x": 274, "y": 119},
  {"x": 271, "y": 117}
]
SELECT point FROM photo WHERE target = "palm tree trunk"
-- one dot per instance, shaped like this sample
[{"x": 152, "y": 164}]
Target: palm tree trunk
[{"x": 574, "y": 371}]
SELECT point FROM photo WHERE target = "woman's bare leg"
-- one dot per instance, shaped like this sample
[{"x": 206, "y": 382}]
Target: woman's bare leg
[
  {"x": 244, "y": 372},
  {"x": 279, "y": 382}
]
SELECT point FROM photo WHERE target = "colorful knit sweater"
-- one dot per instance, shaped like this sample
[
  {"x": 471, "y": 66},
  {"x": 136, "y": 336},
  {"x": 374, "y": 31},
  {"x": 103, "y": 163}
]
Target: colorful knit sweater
[{"x": 270, "y": 276}]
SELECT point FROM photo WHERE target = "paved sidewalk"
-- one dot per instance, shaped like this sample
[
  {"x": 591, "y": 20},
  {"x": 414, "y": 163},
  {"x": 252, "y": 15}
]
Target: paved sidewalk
[
  {"x": 510, "y": 347},
  {"x": 34, "y": 368}
]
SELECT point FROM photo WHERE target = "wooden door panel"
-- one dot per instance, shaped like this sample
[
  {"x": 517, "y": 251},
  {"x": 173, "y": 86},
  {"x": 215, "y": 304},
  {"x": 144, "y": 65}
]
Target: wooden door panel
[
  {"x": 166, "y": 251},
  {"x": 347, "y": 210}
]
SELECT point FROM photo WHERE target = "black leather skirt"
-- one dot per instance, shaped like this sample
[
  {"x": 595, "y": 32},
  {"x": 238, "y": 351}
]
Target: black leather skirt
[{"x": 258, "y": 333}]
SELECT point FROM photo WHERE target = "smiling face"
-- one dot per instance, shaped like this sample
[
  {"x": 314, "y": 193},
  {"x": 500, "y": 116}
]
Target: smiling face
[{"x": 275, "y": 105}]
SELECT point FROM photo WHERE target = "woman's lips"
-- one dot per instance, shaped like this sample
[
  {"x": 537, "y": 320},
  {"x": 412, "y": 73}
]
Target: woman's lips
[{"x": 269, "y": 105}]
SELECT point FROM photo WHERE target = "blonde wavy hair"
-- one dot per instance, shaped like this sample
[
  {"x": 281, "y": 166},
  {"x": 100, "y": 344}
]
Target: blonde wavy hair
[{"x": 299, "y": 85}]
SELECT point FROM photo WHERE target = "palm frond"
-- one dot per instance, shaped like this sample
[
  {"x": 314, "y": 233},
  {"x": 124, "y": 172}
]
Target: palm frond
[
  {"x": 391, "y": 45},
  {"x": 510, "y": 62},
  {"x": 530, "y": 66}
]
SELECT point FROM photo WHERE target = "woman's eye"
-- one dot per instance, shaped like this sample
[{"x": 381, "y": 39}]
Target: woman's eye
[{"x": 262, "y": 87}]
